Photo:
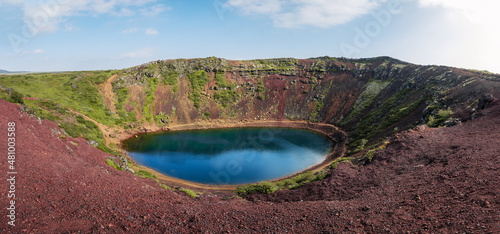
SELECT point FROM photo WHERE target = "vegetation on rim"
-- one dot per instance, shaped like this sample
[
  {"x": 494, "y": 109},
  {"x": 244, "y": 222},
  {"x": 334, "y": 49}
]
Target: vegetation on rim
[{"x": 368, "y": 98}]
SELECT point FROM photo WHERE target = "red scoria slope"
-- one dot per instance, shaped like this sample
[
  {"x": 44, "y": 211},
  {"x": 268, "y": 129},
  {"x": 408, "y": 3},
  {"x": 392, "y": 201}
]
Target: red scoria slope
[{"x": 432, "y": 180}]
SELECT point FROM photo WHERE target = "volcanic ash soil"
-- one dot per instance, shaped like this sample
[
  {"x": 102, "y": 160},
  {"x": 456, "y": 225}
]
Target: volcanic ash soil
[{"x": 426, "y": 180}]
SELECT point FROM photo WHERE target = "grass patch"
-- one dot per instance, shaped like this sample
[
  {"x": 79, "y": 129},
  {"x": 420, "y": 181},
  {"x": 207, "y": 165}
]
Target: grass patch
[
  {"x": 112, "y": 163},
  {"x": 87, "y": 129},
  {"x": 441, "y": 116},
  {"x": 220, "y": 80},
  {"x": 206, "y": 115},
  {"x": 226, "y": 97},
  {"x": 188, "y": 192},
  {"x": 145, "y": 174},
  {"x": 263, "y": 187},
  {"x": 301, "y": 179},
  {"x": 366, "y": 98},
  {"x": 100, "y": 77},
  {"x": 198, "y": 81},
  {"x": 170, "y": 77},
  {"x": 123, "y": 96},
  {"x": 291, "y": 183},
  {"x": 166, "y": 187},
  {"x": 318, "y": 106},
  {"x": 68, "y": 89},
  {"x": 343, "y": 159},
  {"x": 147, "y": 111}
]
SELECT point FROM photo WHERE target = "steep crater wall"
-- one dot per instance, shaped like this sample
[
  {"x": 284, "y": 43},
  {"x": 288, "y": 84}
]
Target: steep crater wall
[{"x": 369, "y": 98}]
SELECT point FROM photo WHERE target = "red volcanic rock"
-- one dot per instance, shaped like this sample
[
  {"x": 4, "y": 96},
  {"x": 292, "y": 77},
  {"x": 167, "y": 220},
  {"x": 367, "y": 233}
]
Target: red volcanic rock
[{"x": 432, "y": 180}]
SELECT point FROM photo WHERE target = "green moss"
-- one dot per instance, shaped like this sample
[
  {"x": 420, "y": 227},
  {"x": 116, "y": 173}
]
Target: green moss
[
  {"x": 299, "y": 180},
  {"x": 125, "y": 116},
  {"x": 226, "y": 97},
  {"x": 366, "y": 98},
  {"x": 170, "y": 77},
  {"x": 318, "y": 106},
  {"x": 220, "y": 80},
  {"x": 206, "y": 115},
  {"x": 198, "y": 81},
  {"x": 111, "y": 163},
  {"x": 393, "y": 110},
  {"x": 263, "y": 187},
  {"x": 145, "y": 174},
  {"x": 189, "y": 192},
  {"x": 166, "y": 187},
  {"x": 441, "y": 116},
  {"x": 147, "y": 111},
  {"x": 291, "y": 183},
  {"x": 343, "y": 159},
  {"x": 260, "y": 86}
]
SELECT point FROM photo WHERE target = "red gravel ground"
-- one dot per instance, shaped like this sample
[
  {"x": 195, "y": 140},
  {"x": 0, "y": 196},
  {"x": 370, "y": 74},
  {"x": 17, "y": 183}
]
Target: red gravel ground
[{"x": 431, "y": 180}]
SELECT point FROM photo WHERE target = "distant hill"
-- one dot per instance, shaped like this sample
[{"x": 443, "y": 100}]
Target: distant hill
[{"x": 11, "y": 72}]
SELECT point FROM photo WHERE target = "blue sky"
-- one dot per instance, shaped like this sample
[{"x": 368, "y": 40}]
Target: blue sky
[{"x": 62, "y": 35}]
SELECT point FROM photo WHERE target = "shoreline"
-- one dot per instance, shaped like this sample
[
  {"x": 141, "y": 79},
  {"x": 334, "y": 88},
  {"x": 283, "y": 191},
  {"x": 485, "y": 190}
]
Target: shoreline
[{"x": 337, "y": 136}]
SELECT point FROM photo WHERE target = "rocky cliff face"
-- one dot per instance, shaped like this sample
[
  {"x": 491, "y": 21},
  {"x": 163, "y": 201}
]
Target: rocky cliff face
[
  {"x": 370, "y": 98},
  {"x": 436, "y": 180}
]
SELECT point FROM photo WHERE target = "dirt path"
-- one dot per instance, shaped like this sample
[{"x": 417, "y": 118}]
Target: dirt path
[
  {"x": 104, "y": 129},
  {"x": 106, "y": 90}
]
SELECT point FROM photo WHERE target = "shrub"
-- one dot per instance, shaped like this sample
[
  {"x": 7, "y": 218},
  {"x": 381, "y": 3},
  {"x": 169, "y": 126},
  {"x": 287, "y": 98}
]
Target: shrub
[
  {"x": 207, "y": 115},
  {"x": 17, "y": 97},
  {"x": 369, "y": 155}
]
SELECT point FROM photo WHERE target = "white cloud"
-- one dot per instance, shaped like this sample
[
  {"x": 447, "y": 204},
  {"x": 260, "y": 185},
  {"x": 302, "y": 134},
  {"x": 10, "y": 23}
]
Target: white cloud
[
  {"x": 130, "y": 30},
  {"x": 46, "y": 16},
  {"x": 256, "y": 6},
  {"x": 475, "y": 24},
  {"x": 298, "y": 13},
  {"x": 69, "y": 27},
  {"x": 154, "y": 10},
  {"x": 479, "y": 11},
  {"x": 151, "y": 31},
  {"x": 124, "y": 12},
  {"x": 38, "y": 51},
  {"x": 144, "y": 53}
]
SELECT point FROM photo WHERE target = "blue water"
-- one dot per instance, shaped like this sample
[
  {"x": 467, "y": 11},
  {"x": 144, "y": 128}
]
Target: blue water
[{"x": 230, "y": 156}]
